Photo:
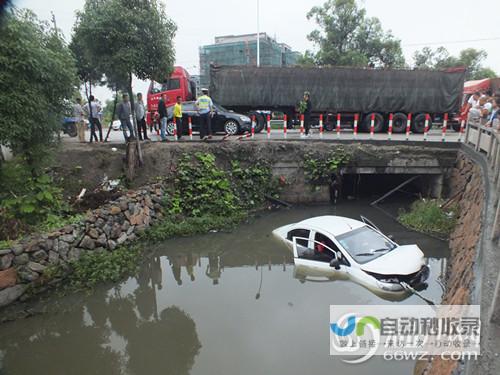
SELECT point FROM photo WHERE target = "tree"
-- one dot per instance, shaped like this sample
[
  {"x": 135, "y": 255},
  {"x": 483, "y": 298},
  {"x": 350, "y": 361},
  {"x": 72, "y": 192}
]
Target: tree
[
  {"x": 37, "y": 77},
  {"x": 127, "y": 38},
  {"x": 347, "y": 37},
  {"x": 469, "y": 58}
]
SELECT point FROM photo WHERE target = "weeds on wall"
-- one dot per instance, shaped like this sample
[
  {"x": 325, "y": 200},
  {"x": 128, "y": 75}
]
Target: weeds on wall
[{"x": 319, "y": 168}]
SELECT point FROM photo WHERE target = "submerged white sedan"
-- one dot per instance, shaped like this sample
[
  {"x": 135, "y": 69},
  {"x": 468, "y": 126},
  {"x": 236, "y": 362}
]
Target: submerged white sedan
[{"x": 339, "y": 245}]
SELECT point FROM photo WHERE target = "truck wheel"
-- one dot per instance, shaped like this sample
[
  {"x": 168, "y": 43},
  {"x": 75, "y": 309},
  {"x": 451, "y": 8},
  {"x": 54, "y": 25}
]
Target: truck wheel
[
  {"x": 378, "y": 122},
  {"x": 418, "y": 125},
  {"x": 260, "y": 122},
  {"x": 231, "y": 127},
  {"x": 399, "y": 122},
  {"x": 329, "y": 126}
]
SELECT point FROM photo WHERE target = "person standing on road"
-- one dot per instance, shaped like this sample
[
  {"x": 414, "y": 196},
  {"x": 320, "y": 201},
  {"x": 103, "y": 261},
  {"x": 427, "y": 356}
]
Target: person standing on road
[
  {"x": 124, "y": 112},
  {"x": 162, "y": 112},
  {"x": 78, "y": 114},
  {"x": 93, "y": 109},
  {"x": 140, "y": 114},
  {"x": 307, "y": 112},
  {"x": 205, "y": 107},
  {"x": 178, "y": 117}
]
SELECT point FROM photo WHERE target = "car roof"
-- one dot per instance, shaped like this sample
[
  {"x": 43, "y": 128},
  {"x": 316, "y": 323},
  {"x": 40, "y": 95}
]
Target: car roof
[{"x": 335, "y": 225}]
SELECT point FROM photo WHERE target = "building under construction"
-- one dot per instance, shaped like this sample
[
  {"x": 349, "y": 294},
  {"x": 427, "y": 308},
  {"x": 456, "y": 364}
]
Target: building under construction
[{"x": 242, "y": 50}]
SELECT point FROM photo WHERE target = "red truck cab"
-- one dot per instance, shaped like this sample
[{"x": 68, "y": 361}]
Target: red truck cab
[{"x": 179, "y": 83}]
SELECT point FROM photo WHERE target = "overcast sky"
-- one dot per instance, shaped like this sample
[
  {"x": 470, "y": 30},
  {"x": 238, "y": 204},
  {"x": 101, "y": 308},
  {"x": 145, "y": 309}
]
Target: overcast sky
[{"x": 450, "y": 23}]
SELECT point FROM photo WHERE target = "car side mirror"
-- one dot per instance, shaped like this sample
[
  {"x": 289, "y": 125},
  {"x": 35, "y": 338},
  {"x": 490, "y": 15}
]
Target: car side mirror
[{"x": 335, "y": 263}]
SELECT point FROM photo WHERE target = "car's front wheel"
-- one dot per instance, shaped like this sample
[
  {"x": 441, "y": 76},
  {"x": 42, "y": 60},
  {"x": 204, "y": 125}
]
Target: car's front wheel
[
  {"x": 231, "y": 127},
  {"x": 170, "y": 128}
]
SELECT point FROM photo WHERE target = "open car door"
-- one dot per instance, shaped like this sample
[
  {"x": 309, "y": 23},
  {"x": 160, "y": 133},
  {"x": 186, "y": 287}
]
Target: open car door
[
  {"x": 369, "y": 222},
  {"x": 304, "y": 256}
]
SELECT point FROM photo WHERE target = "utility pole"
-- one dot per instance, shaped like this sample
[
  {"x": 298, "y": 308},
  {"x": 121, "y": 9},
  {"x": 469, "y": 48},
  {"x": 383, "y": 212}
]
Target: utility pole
[
  {"x": 54, "y": 22},
  {"x": 258, "y": 36}
]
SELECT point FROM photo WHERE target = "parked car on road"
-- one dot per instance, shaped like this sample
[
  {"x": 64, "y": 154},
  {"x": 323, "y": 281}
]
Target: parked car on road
[{"x": 223, "y": 121}]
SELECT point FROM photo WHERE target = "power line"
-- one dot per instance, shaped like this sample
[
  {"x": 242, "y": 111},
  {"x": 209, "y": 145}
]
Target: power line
[{"x": 451, "y": 42}]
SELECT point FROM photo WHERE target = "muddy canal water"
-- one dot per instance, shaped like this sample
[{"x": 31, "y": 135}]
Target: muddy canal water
[{"x": 217, "y": 304}]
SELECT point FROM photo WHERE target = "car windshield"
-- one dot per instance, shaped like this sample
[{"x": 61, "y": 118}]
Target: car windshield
[{"x": 365, "y": 244}]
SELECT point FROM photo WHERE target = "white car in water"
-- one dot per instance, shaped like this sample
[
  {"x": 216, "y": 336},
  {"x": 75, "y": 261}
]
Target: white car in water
[{"x": 339, "y": 246}]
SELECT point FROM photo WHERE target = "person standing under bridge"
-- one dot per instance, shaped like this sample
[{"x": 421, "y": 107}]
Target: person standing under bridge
[{"x": 205, "y": 108}]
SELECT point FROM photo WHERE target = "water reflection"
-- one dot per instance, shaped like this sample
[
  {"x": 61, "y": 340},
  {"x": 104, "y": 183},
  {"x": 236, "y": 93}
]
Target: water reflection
[
  {"x": 113, "y": 332},
  {"x": 221, "y": 303}
]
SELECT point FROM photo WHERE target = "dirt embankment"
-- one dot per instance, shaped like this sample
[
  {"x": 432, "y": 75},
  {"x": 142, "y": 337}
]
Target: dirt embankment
[{"x": 466, "y": 185}]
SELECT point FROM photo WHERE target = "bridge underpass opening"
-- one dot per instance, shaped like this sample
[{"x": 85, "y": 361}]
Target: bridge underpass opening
[{"x": 376, "y": 185}]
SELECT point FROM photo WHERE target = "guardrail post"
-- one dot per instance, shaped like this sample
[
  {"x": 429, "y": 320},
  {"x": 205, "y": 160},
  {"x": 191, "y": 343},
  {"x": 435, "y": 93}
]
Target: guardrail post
[
  {"x": 284, "y": 126},
  {"x": 268, "y": 126},
  {"x": 338, "y": 125},
  {"x": 301, "y": 126},
  {"x": 479, "y": 133},
  {"x": 496, "y": 162},
  {"x": 321, "y": 126},
  {"x": 175, "y": 129},
  {"x": 445, "y": 126},
  {"x": 408, "y": 127},
  {"x": 467, "y": 131},
  {"x": 253, "y": 126},
  {"x": 389, "y": 134},
  {"x": 461, "y": 132},
  {"x": 372, "y": 125},
  {"x": 356, "y": 119},
  {"x": 190, "y": 128},
  {"x": 426, "y": 126}
]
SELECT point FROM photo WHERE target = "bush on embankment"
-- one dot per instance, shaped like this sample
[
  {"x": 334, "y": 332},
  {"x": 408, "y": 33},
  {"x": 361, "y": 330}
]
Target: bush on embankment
[
  {"x": 429, "y": 216},
  {"x": 200, "y": 196}
]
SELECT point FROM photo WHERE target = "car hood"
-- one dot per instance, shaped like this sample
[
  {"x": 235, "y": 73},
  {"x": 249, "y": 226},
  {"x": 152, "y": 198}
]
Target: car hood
[{"x": 403, "y": 260}]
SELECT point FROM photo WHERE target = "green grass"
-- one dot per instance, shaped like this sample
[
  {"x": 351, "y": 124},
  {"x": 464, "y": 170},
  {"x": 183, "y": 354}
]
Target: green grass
[
  {"x": 427, "y": 216},
  {"x": 169, "y": 227}
]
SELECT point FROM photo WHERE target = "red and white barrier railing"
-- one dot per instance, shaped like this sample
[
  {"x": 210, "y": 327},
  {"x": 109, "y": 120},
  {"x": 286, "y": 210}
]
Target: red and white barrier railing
[
  {"x": 462, "y": 130},
  {"x": 285, "y": 125},
  {"x": 372, "y": 125},
  {"x": 445, "y": 126},
  {"x": 426, "y": 126},
  {"x": 408, "y": 127},
  {"x": 190, "y": 128},
  {"x": 389, "y": 130},
  {"x": 253, "y": 126},
  {"x": 356, "y": 119},
  {"x": 321, "y": 126},
  {"x": 175, "y": 129},
  {"x": 301, "y": 125},
  {"x": 338, "y": 125},
  {"x": 268, "y": 126}
]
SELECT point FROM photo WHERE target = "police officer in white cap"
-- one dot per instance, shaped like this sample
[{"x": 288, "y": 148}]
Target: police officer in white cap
[{"x": 205, "y": 108}]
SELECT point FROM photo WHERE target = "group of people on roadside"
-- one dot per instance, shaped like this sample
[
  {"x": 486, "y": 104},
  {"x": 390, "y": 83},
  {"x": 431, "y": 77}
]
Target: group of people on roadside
[
  {"x": 485, "y": 108},
  {"x": 93, "y": 112},
  {"x": 205, "y": 107}
]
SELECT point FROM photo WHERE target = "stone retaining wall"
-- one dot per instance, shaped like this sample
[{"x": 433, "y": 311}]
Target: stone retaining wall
[
  {"x": 466, "y": 184},
  {"x": 103, "y": 229}
]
